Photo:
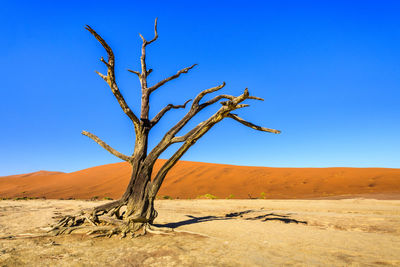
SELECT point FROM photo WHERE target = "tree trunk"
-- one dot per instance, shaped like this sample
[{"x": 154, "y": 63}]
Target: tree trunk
[{"x": 140, "y": 205}]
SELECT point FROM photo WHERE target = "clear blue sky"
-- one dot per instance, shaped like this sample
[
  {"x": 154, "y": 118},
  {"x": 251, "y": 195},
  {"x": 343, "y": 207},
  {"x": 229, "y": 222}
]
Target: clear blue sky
[{"x": 329, "y": 72}]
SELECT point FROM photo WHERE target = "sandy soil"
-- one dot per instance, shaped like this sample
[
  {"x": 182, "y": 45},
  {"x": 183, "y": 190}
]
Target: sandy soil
[
  {"x": 188, "y": 180},
  {"x": 347, "y": 232}
]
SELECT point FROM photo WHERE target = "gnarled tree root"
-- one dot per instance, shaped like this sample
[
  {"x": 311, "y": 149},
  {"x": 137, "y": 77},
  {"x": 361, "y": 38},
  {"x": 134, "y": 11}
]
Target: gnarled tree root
[{"x": 105, "y": 221}]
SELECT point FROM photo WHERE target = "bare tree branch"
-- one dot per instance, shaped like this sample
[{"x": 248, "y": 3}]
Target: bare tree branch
[
  {"x": 200, "y": 125},
  {"x": 105, "y": 77},
  {"x": 230, "y": 97},
  {"x": 242, "y": 106},
  {"x": 168, "y": 138},
  {"x": 135, "y": 72},
  {"x": 110, "y": 78},
  {"x": 256, "y": 98},
  {"x": 105, "y": 62},
  {"x": 144, "y": 110},
  {"x": 165, "y": 110},
  {"x": 196, "y": 133},
  {"x": 195, "y": 108},
  {"x": 107, "y": 147},
  {"x": 159, "y": 84},
  {"x": 251, "y": 125},
  {"x": 155, "y": 34},
  {"x": 103, "y": 43},
  {"x": 207, "y": 91},
  {"x": 192, "y": 136},
  {"x": 145, "y": 43},
  {"x": 217, "y": 98},
  {"x": 183, "y": 138}
]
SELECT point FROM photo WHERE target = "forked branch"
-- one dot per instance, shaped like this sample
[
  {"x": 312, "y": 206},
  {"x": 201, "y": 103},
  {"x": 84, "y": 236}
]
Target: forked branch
[
  {"x": 143, "y": 57},
  {"x": 229, "y": 97},
  {"x": 216, "y": 99},
  {"x": 195, "y": 108},
  {"x": 165, "y": 110},
  {"x": 205, "y": 92},
  {"x": 155, "y": 35},
  {"x": 196, "y": 133},
  {"x": 185, "y": 137},
  {"x": 110, "y": 78},
  {"x": 107, "y": 147}
]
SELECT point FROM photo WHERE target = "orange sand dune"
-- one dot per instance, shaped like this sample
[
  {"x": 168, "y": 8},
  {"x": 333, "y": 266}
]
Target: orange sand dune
[
  {"x": 192, "y": 179},
  {"x": 38, "y": 173}
]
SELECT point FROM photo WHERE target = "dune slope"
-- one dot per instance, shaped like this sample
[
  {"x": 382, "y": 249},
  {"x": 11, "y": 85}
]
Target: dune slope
[{"x": 193, "y": 179}]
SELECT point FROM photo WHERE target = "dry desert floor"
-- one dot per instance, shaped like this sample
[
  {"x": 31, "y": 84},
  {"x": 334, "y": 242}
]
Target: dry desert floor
[{"x": 346, "y": 232}]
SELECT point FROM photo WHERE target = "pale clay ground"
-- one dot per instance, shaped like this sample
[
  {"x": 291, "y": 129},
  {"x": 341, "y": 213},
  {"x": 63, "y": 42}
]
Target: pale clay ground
[{"x": 348, "y": 232}]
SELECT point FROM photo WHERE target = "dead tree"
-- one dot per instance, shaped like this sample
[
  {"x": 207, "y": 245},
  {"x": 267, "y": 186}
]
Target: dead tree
[{"x": 134, "y": 213}]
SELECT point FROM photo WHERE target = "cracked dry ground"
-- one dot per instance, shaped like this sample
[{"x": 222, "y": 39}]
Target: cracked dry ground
[{"x": 355, "y": 232}]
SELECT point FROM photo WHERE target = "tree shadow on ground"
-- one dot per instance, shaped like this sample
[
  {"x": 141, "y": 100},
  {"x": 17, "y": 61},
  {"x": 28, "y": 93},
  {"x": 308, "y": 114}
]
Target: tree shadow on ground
[{"x": 232, "y": 216}]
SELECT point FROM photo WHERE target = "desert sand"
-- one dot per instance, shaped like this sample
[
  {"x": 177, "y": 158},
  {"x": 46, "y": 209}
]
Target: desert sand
[
  {"x": 309, "y": 217},
  {"x": 347, "y": 232},
  {"x": 189, "y": 180}
]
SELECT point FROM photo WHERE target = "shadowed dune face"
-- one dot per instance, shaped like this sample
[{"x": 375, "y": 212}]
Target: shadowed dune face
[{"x": 193, "y": 179}]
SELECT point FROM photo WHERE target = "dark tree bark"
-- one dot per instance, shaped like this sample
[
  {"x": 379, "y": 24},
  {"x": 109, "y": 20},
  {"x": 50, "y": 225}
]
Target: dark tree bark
[{"x": 134, "y": 212}]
